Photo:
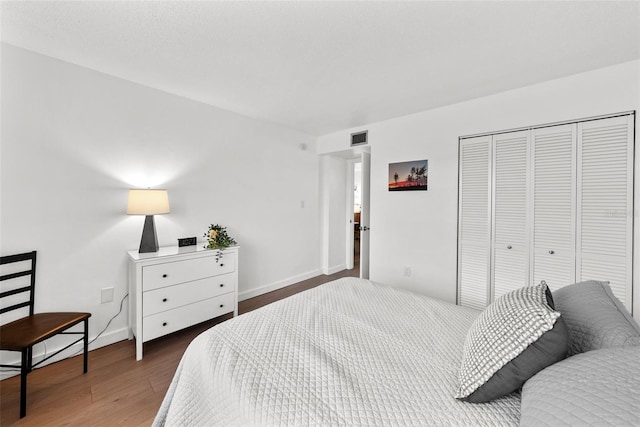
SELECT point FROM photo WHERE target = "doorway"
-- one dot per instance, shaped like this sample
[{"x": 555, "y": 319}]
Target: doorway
[
  {"x": 358, "y": 195},
  {"x": 356, "y": 213}
]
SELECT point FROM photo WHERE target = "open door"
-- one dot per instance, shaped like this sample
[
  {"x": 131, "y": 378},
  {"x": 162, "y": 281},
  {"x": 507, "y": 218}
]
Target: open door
[
  {"x": 354, "y": 191},
  {"x": 364, "y": 215}
]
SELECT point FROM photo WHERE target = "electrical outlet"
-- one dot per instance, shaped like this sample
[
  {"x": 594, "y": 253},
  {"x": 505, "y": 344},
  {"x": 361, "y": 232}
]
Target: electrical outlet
[
  {"x": 407, "y": 271},
  {"x": 106, "y": 295}
]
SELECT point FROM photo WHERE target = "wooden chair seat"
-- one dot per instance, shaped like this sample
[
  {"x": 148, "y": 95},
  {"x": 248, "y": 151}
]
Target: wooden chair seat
[{"x": 26, "y": 332}]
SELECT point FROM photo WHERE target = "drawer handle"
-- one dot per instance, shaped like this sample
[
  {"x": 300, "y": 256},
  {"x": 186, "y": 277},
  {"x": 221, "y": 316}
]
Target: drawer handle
[
  {"x": 164, "y": 275},
  {"x": 164, "y": 323},
  {"x": 164, "y": 300},
  {"x": 221, "y": 265},
  {"x": 222, "y": 285},
  {"x": 221, "y": 305},
  {"x": 551, "y": 252}
]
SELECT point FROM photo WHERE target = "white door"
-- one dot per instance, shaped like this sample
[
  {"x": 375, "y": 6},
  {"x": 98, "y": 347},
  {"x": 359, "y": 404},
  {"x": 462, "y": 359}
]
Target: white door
[
  {"x": 364, "y": 215},
  {"x": 510, "y": 212},
  {"x": 474, "y": 223},
  {"x": 354, "y": 190},
  {"x": 553, "y": 151},
  {"x": 605, "y": 203}
]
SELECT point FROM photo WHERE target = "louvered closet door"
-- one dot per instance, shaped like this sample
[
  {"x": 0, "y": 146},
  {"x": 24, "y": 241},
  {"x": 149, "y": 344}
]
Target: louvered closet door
[
  {"x": 474, "y": 235},
  {"x": 554, "y": 197},
  {"x": 605, "y": 203},
  {"x": 510, "y": 212}
]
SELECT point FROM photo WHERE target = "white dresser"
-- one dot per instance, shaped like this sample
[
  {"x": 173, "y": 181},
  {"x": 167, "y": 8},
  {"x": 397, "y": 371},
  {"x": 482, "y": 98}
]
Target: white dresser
[{"x": 178, "y": 287}]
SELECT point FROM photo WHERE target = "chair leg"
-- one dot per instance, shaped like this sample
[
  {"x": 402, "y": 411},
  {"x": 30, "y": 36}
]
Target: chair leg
[
  {"x": 86, "y": 345},
  {"x": 24, "y": 370}
]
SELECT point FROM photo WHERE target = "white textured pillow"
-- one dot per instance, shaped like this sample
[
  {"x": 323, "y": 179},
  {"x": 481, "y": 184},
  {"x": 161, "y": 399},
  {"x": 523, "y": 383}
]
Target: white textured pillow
[
  {"x": 595, "y": 317},
  {"x": 505, "y": 345},
  {"x": 596, "y": 388}
]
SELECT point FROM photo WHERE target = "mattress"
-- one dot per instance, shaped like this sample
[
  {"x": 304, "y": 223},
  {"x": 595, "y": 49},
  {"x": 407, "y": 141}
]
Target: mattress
[{"x": 350, "y": 352}]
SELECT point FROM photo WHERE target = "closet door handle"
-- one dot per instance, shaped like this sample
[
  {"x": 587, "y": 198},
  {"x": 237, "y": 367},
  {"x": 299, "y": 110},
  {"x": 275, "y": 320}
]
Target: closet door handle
[
  {"x": 509, "y": 246},
  {"x": 551, "y": 252}
]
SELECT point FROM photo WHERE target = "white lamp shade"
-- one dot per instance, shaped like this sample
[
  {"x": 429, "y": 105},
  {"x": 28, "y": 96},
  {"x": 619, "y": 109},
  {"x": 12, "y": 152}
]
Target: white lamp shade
[{"x": 148, "y": 202}]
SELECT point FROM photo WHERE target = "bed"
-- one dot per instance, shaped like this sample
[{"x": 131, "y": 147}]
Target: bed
[{"x": 350, "y": 352}]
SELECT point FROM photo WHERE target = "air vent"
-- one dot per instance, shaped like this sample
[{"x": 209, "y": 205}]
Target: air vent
[{"x": 359, "y": 138}]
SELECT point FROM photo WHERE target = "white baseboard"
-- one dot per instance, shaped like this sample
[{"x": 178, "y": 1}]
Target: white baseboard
[
  {"x": 277, "y": 285},
  {"x": 39, "y": 351},
  {"x": 332, "y": 270}
]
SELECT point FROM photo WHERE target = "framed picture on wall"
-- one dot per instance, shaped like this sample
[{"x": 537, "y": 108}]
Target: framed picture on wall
[{"x": 408, "y": 176}]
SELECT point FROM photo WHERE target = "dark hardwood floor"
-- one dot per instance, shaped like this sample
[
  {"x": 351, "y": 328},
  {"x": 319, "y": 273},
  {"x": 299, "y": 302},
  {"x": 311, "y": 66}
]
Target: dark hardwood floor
[{"x": 117, "y": 390}]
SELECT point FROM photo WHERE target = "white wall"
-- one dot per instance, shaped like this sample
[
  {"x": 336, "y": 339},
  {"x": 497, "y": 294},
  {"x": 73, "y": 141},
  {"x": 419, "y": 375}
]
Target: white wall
[
  {"x": 419, "y": 229},
  {"x": 73, "y": 142}
]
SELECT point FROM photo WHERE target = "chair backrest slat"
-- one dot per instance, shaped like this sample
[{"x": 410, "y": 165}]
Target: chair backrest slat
[
  {"x": 14, "y": 307},
  {"x": 8, "y": 259},
  {"x": 15, "y": 291},
  {"x": 15, "y": 275}
]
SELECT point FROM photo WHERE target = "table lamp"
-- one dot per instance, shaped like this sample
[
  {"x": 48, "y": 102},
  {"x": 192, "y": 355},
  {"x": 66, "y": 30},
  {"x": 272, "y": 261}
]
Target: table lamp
[{"x": 148, "y": 202}]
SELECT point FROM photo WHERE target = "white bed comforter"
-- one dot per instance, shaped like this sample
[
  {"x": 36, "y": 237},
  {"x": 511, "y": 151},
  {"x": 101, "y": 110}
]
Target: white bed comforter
[{"x": 350, "y": 352}]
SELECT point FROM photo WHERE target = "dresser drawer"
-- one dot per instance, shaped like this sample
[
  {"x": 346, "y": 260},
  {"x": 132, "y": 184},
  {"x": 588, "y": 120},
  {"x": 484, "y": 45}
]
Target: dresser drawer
[
  {"x": 160, "y": 324},
  {"x": 171, "y": 297},
  {"x": 172, "y": 273}
]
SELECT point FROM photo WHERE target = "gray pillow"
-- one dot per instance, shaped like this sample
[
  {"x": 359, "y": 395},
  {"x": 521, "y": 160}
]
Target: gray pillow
[
  {"x": 515, "y": 337},
  {"x": 595, "y": 317},
  {"x": 597, "y": 388}
]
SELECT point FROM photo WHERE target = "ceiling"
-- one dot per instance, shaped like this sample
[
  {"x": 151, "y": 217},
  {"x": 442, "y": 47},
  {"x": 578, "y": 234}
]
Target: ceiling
[{"x": 325, "y": 66}]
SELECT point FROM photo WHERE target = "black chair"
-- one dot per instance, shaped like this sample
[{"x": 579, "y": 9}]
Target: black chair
[{"x": 22, "y": 334}]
